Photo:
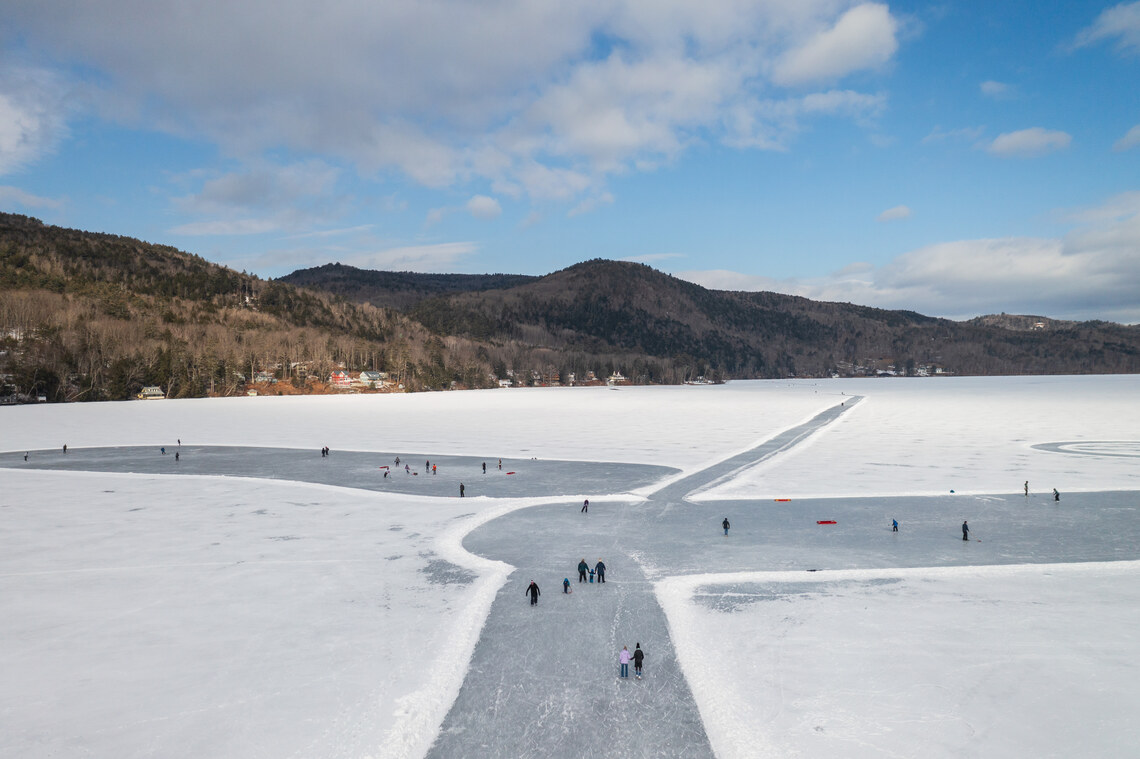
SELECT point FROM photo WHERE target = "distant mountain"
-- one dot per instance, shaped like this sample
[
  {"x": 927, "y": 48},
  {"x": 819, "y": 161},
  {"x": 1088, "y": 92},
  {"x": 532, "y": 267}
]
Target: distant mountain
[
  {"x": 394, "y": 289},
  {"x": 88, "y": 316},
  {"x": 596, "y": 311}
]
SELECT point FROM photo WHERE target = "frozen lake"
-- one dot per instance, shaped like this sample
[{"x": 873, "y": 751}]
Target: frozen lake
[{"x": 257, "y": 600}]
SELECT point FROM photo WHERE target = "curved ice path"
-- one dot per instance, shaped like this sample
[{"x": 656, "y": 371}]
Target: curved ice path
[{"x": 543, "y": 680}]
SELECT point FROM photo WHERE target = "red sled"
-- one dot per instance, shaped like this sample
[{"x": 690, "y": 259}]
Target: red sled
[
  {"x": 826, "y": 521},
  {"x": 510, "y": 472}
]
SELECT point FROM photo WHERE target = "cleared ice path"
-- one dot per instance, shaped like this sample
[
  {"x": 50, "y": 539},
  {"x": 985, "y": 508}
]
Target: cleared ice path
[{"x": 543, "y": 680}]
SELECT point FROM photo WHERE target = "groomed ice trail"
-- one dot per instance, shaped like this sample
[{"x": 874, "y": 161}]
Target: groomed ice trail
[{"x": 543, "y": 679}]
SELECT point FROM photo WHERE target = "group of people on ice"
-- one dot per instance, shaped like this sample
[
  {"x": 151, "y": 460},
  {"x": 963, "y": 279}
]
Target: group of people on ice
[{"x": 599, "y": 571}]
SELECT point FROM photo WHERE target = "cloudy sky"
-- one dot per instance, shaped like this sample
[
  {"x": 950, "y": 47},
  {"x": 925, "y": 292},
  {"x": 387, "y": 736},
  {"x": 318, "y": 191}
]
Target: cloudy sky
[{"x": 953, "y": 158}]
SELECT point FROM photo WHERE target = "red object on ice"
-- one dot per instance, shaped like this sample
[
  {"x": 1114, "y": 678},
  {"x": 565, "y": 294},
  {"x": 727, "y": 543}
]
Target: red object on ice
[
  {"x": 783, "y": 500},
  {"x": 384, "y": 467},
  {"x": 826, "y": 521},
  {"x": 510, "y": 472}
]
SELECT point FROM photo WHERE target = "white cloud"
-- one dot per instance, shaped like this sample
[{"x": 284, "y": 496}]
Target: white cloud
[
  {"x": 1129, "y": 140},
  {"x": 1120, "y": 22},
  {"x": 539, "y": 98},
  {"x": 995, "y": 90},
  {"x": 862, "y": 38},
  {"x": 484, "y": 207},
  {"x": 591, "y": 203},
  {"x": 32, "y": 116},
  {"x": 438, "y": 257},
  {"x": 894, "y": 214},
  {"x": 1028, "y": 143},
  {"x": 261, "y": 198},
  {"x": 18, "y": 197},
  {"x": 1093, "y": 272},
  {"x": 965, "y": 134}
]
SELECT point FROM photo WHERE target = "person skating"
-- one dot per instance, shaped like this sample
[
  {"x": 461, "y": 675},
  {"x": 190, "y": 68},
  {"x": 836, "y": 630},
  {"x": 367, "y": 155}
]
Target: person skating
[
  {"x": 725, "y": 525},
  {"x": 1056, "y": 495},
  {"x": 965, "y": 530},
  {"x": 566, "y": 585},
  {"x": 461, "y": 490},
  {"x": 894, "y": 525},
  {"x": 583, "y": 568},
  {"x": 600, "y": 568},
  {"x": 1027, "y": 488},
  {"x": 484, "y": 467},
  {"x": 585, "y": 507},
  {"x": 534, "y": 592},
  {"x": 623, "y": 659},
  {"x": 638, "y": 656}
]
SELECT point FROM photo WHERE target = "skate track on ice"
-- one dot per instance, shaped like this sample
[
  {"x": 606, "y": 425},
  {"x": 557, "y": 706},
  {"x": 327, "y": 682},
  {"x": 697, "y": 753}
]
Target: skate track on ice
[{"x": 543, "y": 681}]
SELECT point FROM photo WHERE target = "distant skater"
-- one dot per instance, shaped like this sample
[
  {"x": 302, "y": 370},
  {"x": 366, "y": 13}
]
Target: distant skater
[
  {"x": 585, "y": 507},
  {"x": 163, "y": 451},
  {"x": 725, "y": 525},
  {"x": 461, "y": 490},
  {"x": 179, "y": 442},
  {"x": 534, "y": 593},
  {"x": 623, "y": 659},
  {"x": 433, "y": 469},
  {"x": 965, "y": 530},
  {"x": 600, "y": 568},
  {"x": 894, "y": 525},
  {"x": 565, "y": 584},
  {"x": 500, "y": 465},
  {"x": 583, "y": 568},
  {"x": 1027, "y": 488},
  {"x": 397, "y": 461},
  {"x": 638, "y": 657},
  {"x": 484, "y": 467},
  {"x": 25, "y": 455},
  {"x": 177, "y": 455},
  {"x": 1056, "y": 495},
  {"x": 65, "y": 447}
]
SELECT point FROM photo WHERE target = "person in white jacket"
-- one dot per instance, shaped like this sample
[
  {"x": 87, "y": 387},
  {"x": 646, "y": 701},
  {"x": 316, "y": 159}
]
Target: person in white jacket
[{"x": 624, "y": 658}]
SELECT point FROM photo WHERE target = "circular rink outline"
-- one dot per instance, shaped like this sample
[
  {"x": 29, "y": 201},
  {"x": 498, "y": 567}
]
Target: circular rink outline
[{"x": 1123, "y": 449}]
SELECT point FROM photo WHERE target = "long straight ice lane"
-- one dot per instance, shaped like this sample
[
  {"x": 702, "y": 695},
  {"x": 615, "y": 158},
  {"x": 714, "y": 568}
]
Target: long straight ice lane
[{"x": 543, "y": 680}]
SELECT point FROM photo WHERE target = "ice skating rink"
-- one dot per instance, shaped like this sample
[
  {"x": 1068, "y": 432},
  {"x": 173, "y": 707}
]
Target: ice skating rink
[{"x": 256, "y": 599}]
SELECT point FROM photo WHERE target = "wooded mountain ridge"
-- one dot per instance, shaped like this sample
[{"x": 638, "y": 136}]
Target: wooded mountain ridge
[{"x": 90, "y": 316}]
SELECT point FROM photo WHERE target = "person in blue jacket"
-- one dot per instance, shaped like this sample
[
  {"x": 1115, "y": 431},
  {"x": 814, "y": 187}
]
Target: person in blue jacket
[
  {"x": 566, "y": 585},
  {"x": 965, "y": 530},
  {"x": 894, "y": 525}
]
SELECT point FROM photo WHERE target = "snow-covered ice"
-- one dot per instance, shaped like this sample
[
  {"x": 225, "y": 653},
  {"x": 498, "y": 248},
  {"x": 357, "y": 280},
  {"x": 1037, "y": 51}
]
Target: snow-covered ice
[{"x": 159, "y": 613}]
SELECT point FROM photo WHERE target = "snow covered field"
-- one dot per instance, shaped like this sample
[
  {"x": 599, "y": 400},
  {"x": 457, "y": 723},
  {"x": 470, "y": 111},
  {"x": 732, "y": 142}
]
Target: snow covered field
[{"x": 162, "y": 614}]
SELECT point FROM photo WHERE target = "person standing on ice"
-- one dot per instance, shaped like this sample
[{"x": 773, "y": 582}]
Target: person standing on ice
[
  {"x": 585, "y": 507},
  {"x": 461, "y": 489},
  {"x": 965, "y": 530},
  {"x": 534, "y": 593},
  {"x": 583, "y": 568},
  {"x": 600, "y": 568},
  {"x": 565, "y": 584},
  {"x": 725, "y": 525},
  {"x": 484, "y": 467},
  {"x": 1056, "y": 495},
  {"x": 638, "y": 657},
  {"x": 894, "y": 525},
  {"x": 623, "y": 659},
  {"x": 1027, "y": 488}
]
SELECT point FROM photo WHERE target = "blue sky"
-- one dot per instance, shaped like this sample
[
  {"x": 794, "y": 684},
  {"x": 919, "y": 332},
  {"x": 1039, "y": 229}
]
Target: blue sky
[{"x": 955, "y": 158}]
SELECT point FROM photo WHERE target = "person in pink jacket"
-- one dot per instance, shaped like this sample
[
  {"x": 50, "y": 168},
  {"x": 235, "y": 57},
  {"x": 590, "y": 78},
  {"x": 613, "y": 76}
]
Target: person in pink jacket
[{"x": 624, "y": 658}]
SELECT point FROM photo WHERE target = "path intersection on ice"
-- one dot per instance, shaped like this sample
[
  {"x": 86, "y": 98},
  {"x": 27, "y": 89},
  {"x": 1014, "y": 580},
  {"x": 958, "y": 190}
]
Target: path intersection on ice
[{"x": 256, "y": 628}]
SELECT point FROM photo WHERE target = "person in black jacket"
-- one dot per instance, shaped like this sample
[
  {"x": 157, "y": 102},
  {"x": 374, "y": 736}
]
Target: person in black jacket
[
  {"x": 583, "y": 568},
  {"x": 600, "y": 568},
  {"x": 534, "y": 593},
  {"x": 638, "y": 657}
]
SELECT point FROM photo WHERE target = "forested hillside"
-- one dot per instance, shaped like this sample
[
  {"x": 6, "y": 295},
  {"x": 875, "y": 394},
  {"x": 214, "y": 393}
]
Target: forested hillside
[{"x": 86, "y": 316}]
